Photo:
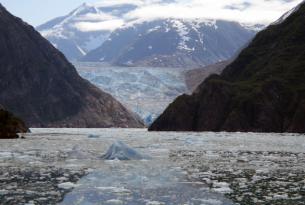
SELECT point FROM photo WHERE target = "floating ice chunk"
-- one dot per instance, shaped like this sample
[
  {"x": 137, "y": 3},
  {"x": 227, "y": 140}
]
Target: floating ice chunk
[
  {"x": 93, "y": 136},
  {"x": 223, "y": 190},
  {"x": 121, "y": 151},
  {"x": 77, "y": 153},
  {"x": 221, "y": 187},
  {"x": 155, "y": 203},
  {"x": 115, "y": 190},
  {"x": 67, "y": 185},
  {"x": 114, "y": 202}
]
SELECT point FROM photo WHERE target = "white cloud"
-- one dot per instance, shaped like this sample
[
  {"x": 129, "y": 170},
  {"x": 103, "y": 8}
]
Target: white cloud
[
  {"x": 244, "y": 11},
  {"x": 95, "y": 17},
  {"x": 255, "y": 11},
  {"x": 99, "y": 26},
  {"x": 107, "y": 3}
]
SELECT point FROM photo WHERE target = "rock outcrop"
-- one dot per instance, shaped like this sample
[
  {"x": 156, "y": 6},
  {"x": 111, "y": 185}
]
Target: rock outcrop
[
  {"x": 263, "y": 90},
  {"x": 10, "y": 126},
  {"x": 41, "y": 87},
  {"x": 194, "y": 77}
]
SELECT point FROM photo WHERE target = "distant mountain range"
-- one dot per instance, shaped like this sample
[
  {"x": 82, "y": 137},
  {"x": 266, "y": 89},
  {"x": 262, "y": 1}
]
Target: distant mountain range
[
  {"x": 39, "y": 85},
  {"x": 101, "y": 33},
  {"x": 84, "y": 29},
  {"x": 172, "y": 43},
  {"x": 262, "y": 90}
]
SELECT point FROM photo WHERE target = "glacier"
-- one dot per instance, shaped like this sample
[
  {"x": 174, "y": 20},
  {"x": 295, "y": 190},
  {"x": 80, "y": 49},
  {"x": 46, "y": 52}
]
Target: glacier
[{"x": 146, "y": 91}]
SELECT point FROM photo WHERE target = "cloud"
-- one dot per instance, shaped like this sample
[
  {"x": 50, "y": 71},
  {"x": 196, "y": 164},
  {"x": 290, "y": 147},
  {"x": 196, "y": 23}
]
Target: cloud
[
  {"x": 99, "y": 26},
  {"x": 246, "y": 11},
  {"x": 108, "y": 3},
  {"x": 93, "y": 17},
  {"x": 243, "y": 11}
]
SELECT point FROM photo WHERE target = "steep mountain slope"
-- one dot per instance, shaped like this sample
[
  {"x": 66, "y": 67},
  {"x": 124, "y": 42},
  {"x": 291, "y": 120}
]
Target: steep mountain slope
[
  {"x": 85, "y": 28},
  {"x": 263, "y": 90},
  {"x": 194, "y": 77},
  {"x": 172, "y": 43},
  {"x": 10, "y": 125},
  {"x": 40, "y": 86}
]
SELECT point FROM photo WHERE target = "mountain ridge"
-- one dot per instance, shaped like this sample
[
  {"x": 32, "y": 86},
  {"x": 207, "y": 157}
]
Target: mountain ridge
[
  {"x": 262, "y": 90},
  {"x": 172, "y": 43},
  {"x": 89, "y": 26},
  {"x": 41, "y": 87}
]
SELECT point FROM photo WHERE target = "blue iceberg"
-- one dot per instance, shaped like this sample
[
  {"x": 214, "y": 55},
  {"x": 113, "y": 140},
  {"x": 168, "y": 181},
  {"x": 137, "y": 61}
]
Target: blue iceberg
[{"x": 121, "y": 151}]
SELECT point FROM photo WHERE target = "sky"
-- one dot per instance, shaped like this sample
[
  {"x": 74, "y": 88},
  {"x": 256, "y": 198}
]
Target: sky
[{"x": 37, "y": 12}]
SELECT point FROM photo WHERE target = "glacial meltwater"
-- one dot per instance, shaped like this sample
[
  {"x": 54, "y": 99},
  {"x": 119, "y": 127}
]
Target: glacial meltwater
[{"x": 66, "y": 166}]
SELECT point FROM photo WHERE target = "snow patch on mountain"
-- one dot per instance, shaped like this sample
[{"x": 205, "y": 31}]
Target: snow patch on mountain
[
  {"x": 287, "y": 14},
  {"x": 172, "y": 43},
  {"x": 85, "y": 28}
]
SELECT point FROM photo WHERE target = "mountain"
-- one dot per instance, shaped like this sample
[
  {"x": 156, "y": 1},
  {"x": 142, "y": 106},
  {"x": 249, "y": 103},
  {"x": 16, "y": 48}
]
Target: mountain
[
  {"x": 172, "y": 43},
  {"x": 262, "y": 90},
  {"x": 85, "y": 28},
  {"x": 41, "y": 87},
  {"x": 10, "y": 125},
  {"x": 194, "y": 77}
]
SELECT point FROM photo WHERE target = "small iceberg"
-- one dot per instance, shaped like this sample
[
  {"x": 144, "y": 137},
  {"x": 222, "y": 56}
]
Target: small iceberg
[
  {"x": 92, "y": 136},
  {"x": 121, "y": 151}
]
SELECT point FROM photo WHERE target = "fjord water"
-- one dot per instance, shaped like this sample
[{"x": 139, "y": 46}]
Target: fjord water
[
  {"x": 168, "y": 178},
  {"x": 141, "y": 182},
  {"x": 155, "y": 181}
]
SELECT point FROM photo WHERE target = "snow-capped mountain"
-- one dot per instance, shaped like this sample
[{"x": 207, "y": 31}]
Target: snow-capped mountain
[
  {"x": 173, "y": 43},
  {"x": 96, "y": 32},
  {"x": 85, "y": 28}
]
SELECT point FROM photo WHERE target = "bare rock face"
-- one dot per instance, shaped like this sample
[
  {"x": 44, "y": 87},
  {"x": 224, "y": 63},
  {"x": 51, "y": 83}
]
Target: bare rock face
[
  {"x": 262, "y": 90},
  {"x": 40, "y": 86},
  {"x": 10, "y": 125},
  {"x": 194, "y": 77}
]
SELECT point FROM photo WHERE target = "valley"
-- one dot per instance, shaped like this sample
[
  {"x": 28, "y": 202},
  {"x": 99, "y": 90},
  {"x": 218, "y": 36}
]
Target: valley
[{"x": 152, "y": 102}]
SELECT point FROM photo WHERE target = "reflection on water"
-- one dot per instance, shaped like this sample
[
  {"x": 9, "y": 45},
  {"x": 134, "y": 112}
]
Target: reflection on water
[{"x": 140, "y": 182}]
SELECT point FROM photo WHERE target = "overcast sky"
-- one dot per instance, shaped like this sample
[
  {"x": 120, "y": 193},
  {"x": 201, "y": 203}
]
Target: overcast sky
[{"x": 37, "y": 12}]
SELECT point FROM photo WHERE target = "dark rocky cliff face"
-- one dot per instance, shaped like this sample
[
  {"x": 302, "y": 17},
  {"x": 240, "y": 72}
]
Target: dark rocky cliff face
[
  {"x": 40, "y": 86},
  {"x": 10, "y": 125},
  {"x": 263, "y": 90}
]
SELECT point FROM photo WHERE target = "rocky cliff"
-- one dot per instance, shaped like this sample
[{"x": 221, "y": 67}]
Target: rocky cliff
[
  {"x": 194, "y": 77},
  {"x": 10, "y": 125},
  {"x": 41, "y": 87},
  {"x": 263, "y": 90}
]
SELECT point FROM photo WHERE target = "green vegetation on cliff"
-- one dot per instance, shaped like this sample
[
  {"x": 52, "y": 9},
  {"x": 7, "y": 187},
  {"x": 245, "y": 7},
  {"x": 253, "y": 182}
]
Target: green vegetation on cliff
[
  {"x": 262, "y": 90},
  {"x": 10, "y": 125}
]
